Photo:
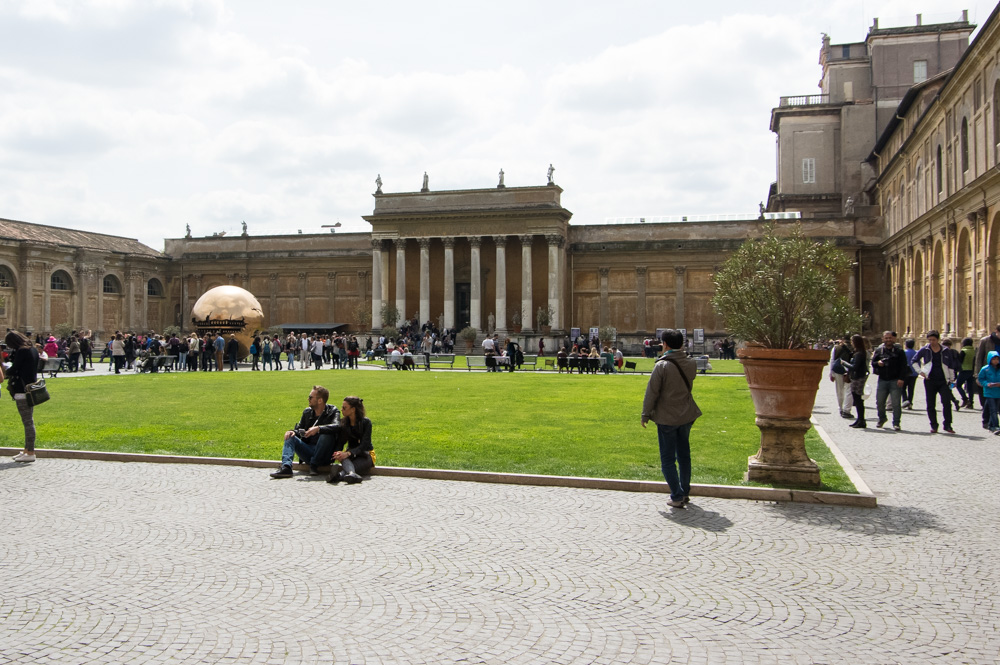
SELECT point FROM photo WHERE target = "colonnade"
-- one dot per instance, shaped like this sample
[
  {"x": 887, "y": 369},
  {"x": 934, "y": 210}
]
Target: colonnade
[
  {"x": 946, "y": 279},
  {"x": 380, "y": 278}
]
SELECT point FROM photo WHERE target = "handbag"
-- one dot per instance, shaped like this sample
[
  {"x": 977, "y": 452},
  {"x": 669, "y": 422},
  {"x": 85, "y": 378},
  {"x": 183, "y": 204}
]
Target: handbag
[{"x": 36, "y": 393}]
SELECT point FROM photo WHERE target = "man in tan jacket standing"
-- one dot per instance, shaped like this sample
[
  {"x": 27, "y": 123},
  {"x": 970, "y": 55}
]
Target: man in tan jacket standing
[{"x": 670, "y": 405}]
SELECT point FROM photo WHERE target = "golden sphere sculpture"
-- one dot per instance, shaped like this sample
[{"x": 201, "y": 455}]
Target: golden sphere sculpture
[{"x": 229, "y": 310}]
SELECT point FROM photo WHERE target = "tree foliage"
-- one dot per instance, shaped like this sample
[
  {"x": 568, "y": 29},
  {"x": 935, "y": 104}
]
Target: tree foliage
[
  {"x": 783, "y": 292},
  {"x": 390, "y": 315}
]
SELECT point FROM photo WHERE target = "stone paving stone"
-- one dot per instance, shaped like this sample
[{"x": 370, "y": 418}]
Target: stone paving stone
[{"x": 105, "y": 562}]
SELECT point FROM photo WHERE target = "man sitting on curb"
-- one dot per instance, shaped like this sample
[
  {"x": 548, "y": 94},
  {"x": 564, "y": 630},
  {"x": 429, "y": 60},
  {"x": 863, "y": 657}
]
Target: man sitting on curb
[{"x": 305, "y": 440}]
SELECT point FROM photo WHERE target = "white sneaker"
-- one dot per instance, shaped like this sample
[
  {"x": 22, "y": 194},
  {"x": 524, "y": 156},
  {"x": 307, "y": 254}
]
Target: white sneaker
[{"x": 24, "y": 457}]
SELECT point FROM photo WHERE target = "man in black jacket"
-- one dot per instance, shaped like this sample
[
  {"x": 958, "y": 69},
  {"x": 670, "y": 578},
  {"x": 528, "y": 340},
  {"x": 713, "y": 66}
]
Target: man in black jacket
[
  {"x": 889, "y": 363},
  {"x": 305, "y": 440}
]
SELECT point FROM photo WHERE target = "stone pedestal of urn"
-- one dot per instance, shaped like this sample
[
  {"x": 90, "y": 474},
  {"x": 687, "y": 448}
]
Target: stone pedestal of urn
[{"x": 783, "y": 384}]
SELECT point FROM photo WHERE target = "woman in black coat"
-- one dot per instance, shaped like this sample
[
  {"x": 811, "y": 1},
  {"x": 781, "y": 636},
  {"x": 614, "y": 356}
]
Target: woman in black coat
[
  {"x": 355, "y": 432},
  {"x": 23, "y": 372},
  {"x": 858, "y": 374}
]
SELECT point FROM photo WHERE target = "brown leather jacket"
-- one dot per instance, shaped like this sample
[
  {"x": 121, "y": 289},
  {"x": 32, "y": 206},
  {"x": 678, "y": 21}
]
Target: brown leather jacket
[{"x": 668, "y": 400}]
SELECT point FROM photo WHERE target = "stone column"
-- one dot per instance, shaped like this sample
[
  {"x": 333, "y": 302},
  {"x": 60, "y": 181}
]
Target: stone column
[
  {"x": 983, "y": 290},
  {"x": 501, "y": 243},
  {"x": 449, "y": 282},
  {"x": 47, "y": 298},
  {"x": 129, "y": 293},
  {"x": 527, "y": 313},
  {"x": 476, "y": 285},
  {"x": 640, "y": 305},
  {"x": 331, "y": 301},
  {"x": 555, "y": 280},
  {"x": 245, "y": 279},
  {"x": 81, "y": 296},
  {"x": 272, "y": 298},
  {"x": 679, "y": 297},
  {"x": 25, "y": 287},
  {"x": 376, "y": 284},
  {"x": 425, "y": 280},
  {"x": 99, "y": 327},
  {"x": 144, "y": 285},
  {"x": 605, "y": 313},
  {"x": 400, "y": 276},
  {"x": 302, "y": 297}
]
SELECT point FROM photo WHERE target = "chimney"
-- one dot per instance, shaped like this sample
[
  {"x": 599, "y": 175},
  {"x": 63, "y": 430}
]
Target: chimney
[
  {"x": 920, "y": 19},
  {"x": 965, "y": 16},
  {"x": 875, "y": 24}
]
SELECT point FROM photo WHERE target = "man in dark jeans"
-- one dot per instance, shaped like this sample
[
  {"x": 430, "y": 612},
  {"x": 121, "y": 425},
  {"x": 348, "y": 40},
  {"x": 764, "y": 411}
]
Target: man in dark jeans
[
  {"x": 668, "y": 403},
  {"x": 305, "y": 440},
  {"x": 936, "y": 364},
  {"x": 889, "y": 363}
]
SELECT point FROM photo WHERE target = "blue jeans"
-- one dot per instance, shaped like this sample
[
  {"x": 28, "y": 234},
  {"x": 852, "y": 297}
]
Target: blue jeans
[
  {"x": 232, "y": 362},
  {"x": 314, "y": 454},
  {"x": 675, "y": 446},
  {"x": 886, "y": 389},
  {"x": 993, "y": 407}
]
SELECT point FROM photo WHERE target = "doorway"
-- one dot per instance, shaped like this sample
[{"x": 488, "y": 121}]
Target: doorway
[{"x": 463, "y": 304}]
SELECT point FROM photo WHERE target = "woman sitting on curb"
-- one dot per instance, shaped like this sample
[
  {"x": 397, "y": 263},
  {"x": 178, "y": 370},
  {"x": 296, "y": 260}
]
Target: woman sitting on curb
[{"x": 354, "y": 430}]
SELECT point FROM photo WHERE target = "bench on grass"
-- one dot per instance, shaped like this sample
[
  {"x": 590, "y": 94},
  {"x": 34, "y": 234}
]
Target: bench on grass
[
  {"x": 51, "y": 365},
  {"x": 530, "y": 360},
  {"x": 440, "y": 359}
]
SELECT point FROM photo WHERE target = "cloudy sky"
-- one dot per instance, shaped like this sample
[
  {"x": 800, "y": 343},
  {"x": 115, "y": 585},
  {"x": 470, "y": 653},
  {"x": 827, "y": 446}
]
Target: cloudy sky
[{"x": 137, "y": 117}]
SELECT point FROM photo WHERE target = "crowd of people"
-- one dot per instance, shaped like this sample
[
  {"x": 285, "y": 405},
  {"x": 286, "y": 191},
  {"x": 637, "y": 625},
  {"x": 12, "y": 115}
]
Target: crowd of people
[{"x": 972, "y": 369}]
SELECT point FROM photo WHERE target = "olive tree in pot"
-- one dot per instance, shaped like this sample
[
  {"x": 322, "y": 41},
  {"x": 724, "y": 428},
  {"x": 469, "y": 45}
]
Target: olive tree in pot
[
  {"x": 779, "y": 294},
  {"x": 468, "y": 334}
]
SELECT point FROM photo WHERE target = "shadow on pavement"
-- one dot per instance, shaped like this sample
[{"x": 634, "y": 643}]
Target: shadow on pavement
[
  {"x": 699, "y": 518},
  {"x": 884, "y": 520}
]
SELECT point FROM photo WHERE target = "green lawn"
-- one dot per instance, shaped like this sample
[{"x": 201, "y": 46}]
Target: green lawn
[{"x": 525, "y": 422}]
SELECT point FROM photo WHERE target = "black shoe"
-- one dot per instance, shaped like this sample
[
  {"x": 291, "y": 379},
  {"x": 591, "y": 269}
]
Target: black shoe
[
  {"x": 687, "y": 498},
  {"x": 283, "y": 472},
  {"x": 845, "y": 414},
  {"x": 881, "y": 423},
  {"x": 859, "y": 425},
  {"x": 313, "y": 470},
  {"x": 352, "y": 478},
  {"x": 949, "y": 430},
  {"x": 335, "y": 478}
]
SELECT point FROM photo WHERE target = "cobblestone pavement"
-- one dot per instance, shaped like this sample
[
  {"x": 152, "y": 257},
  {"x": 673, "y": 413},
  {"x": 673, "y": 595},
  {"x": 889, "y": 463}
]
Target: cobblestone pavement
[{"x": 135, "y": 563}]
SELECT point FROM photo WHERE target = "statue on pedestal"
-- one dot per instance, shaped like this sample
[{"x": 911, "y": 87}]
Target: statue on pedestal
[
  {"x": 426, "y": 187},
  {"x": 501, "y": 185},
  {"x": 551, "y": 171},
  {"x": 378, "y": 184}
]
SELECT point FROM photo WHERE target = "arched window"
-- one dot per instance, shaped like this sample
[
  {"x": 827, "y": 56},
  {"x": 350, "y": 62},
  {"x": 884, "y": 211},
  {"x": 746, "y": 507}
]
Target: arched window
[
  {"x": 60, "y": 281},
  {"x": 154, "y": 288},
  {"x": 111, "y": 284},
  {"x": 918, "y": 184},
  {"x": 964, "y": 138},
  {"x": 939, "y": 165},
  {"x": 6, "y": 279}
]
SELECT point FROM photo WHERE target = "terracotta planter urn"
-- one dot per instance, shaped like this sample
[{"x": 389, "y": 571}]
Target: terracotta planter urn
[{"x": 783, "y": 384}]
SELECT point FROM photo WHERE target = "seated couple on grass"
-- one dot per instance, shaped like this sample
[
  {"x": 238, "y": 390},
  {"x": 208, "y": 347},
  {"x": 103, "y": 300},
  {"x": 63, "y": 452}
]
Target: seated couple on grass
[{"x": 322, "y": 435}]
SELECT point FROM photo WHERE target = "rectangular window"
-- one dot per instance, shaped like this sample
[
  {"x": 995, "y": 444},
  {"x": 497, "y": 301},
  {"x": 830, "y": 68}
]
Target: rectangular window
[
  {"x": 809, "y": 170},
  {"x": 919, "y": 71},
  {"x": 846, "y": 51}
]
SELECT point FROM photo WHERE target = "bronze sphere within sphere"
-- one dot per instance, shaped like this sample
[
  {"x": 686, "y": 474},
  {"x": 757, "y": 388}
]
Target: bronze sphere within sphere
[{"x": 231, "y": 311}]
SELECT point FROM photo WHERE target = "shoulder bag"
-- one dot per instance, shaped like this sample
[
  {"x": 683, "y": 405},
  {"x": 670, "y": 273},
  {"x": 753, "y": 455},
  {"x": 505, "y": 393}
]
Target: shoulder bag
[{"x": 36, "y": 393}]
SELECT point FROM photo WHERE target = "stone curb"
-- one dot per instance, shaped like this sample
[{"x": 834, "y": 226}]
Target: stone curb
[{"x": 716, "y": 491}]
